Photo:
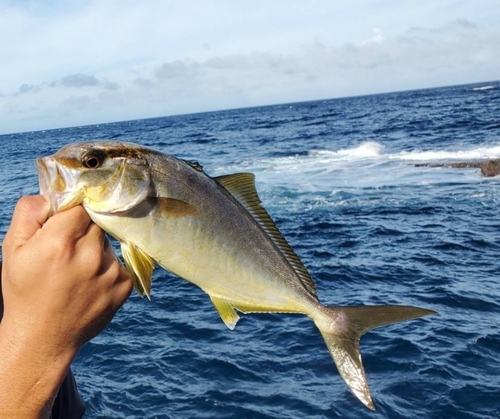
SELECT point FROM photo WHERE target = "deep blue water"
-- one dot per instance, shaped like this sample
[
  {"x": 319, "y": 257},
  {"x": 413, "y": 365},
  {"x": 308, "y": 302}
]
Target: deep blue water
[{"x": 339, "y": 178}]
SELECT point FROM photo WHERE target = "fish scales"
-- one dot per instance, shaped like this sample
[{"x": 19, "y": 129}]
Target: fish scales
[
  {"x": 213, "y": 232},
  {"x": 205, "y": 250}
]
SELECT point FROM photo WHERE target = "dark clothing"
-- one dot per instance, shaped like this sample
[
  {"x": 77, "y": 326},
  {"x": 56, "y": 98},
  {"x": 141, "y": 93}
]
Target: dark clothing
[{"x": 68, "y": 404}]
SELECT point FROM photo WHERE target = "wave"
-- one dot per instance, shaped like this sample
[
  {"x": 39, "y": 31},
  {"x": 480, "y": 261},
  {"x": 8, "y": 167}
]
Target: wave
[
  {"x": 313, "y": 161},
  {"x": 372, "y": 151},
  {"x": 480, "y": 153},
  {"x": 367, "y": 165},
  {"x": 489, "y": 87},
  {"x": 364, "y": 150}
]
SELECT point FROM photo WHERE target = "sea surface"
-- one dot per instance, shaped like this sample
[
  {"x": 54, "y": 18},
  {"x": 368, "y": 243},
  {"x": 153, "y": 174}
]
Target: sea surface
[{"x": 340, "y": 179}]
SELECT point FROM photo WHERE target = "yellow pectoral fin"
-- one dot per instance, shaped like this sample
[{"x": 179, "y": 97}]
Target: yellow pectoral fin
[
  {"x": 226, "y": 311},
  {"x": 140, "y": 266}
]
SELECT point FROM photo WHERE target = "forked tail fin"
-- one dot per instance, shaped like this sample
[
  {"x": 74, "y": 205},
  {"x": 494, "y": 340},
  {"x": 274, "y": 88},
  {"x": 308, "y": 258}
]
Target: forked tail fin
[{"x": 343, "y": 333}]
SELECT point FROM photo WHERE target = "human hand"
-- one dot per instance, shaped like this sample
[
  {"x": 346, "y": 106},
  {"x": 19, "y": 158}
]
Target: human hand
[
  {"x": 62, "y": 285},
  {"x": 61, "y": 278}
]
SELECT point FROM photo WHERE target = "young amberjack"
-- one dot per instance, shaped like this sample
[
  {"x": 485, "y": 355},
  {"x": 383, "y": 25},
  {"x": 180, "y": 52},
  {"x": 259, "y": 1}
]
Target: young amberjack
[{"x": 213, "y": 232}]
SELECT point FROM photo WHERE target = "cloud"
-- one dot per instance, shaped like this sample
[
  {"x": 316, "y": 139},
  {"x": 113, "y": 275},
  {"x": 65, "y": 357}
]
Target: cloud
[
  {"x": 143, "y": 82},
  {"x": 83, "y": 80},
  {"x": 76, "y": 103},
  {"x": 420, "y": 57},
  {"x": 179, "y": 69},
  {"x": 28, "y": 88},
  {"x": 168, "y": 79},
  {"x": 79, "y": 80},
  {"x": 377, "y": 37},
  {"x": 461, "y": 24},
  {"x": 452, "y": 26}
]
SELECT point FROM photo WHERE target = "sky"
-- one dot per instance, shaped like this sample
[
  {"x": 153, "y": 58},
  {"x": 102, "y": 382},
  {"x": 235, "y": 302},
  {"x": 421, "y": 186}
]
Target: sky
[{"x": 78, "y": 62}]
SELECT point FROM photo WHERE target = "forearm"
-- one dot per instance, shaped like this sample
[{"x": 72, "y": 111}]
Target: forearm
[{"x": 30, "y": 373}]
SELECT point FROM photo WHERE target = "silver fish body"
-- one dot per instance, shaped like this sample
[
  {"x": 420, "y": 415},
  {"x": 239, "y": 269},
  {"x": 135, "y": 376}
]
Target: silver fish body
[{"x": 212, "y": 232}]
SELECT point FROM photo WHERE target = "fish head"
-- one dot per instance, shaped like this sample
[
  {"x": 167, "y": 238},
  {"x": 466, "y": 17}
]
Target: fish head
[{"x": 105, "y": 177}]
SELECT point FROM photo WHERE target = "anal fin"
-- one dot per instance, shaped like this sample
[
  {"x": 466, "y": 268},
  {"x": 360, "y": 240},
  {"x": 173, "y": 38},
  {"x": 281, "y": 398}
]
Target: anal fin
[
  {"x": 140, "y": 266},
  {"x": 226, "y": 311}
]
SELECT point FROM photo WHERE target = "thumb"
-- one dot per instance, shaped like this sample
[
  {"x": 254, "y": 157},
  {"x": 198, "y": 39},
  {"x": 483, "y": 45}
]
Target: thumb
[{"x": 30, "y": 214}]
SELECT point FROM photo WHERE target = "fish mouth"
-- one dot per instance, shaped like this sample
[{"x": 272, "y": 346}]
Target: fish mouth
[{"x": 56, "y": 183}]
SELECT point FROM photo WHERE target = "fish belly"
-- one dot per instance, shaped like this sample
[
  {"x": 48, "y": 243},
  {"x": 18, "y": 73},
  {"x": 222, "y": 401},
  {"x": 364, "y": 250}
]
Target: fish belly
[{"x": 215, "y": 259}]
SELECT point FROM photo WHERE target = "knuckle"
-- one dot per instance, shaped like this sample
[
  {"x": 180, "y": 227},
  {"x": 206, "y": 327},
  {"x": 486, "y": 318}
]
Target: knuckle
[
  {"x": 56, "y": 247},
  {"x": 63, "y": 245},
  {"x": 114, "y": 270},
  {"x": 93, "y": 259},
  {"x": 24, "y": 203}
]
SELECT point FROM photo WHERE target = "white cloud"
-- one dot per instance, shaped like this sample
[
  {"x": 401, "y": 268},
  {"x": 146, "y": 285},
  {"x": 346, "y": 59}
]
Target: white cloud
[
  {"x": 76, "y": 62},
  {"x": 377, "y": 37}
]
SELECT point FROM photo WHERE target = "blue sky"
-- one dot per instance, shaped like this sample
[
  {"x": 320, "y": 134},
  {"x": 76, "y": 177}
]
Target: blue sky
[{"x": 75, "y": 62}]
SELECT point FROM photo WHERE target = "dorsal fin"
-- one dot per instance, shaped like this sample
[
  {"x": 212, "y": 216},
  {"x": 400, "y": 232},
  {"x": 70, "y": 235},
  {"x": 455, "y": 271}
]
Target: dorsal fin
[
  {"x": 194, "y": 165},
  {"x": 242, "y": 187}
]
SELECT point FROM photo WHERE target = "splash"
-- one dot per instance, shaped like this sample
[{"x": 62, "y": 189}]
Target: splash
[
  {"x": 366, "y": 165},
  {"x": 365, "y": 150},
  {"x": 480, "y": 153},
  {"x": 489, "y": 87}
]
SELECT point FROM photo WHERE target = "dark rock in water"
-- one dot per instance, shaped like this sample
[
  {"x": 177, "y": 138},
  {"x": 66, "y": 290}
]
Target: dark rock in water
[
  {"x": 489, "y": 168},
  {"x": 462, "y": 165}
]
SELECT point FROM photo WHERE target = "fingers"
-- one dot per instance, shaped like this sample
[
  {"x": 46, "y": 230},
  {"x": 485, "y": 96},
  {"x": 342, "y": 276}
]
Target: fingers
[
  {"x": 71, "y": 229},
  {"x": 30, "y": 214},
  {"x": 72, "y": 223},
  {"x": 110, "y": 260},
  {"x": 110, "y": 265},
  {"x": 61, "y": 276}
]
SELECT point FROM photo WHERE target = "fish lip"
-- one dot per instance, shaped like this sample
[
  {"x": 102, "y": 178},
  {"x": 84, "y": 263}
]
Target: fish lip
[
  {"x": 52, "y": 184},
  {"x": 43, "y": 176},
  {"x": 45, "y": 181}
]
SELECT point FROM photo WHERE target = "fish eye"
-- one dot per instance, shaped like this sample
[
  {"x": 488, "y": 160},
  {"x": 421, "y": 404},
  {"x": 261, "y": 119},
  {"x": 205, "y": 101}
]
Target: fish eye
[{"x": 93, "y": 161}]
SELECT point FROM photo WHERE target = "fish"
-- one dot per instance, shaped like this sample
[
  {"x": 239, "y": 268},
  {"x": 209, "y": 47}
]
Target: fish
[{"x": 211, "y": 231}]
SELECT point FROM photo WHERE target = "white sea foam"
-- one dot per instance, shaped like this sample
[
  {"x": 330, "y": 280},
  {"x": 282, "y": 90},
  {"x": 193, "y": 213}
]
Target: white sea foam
[
  {"x": 366, "y": 165},
  {"x": 489, "y": 87},
  {"x": 479, "y": 153},
  {"x": 374, "y": 150},
  {"x": 365, "y": 150},
  {"x": 370, "y": 155},
  {"x": 316, "y": 160}
]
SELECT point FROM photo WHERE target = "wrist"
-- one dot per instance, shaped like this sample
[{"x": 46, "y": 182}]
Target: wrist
[{"x": 31, "y": 369}]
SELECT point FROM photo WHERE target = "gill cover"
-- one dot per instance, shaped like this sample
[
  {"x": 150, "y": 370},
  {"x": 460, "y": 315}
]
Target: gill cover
[{"x": 125, "y": 188}]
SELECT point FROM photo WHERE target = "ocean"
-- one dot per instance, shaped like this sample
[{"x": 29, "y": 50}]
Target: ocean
[{"x": 343, "y": 182}]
